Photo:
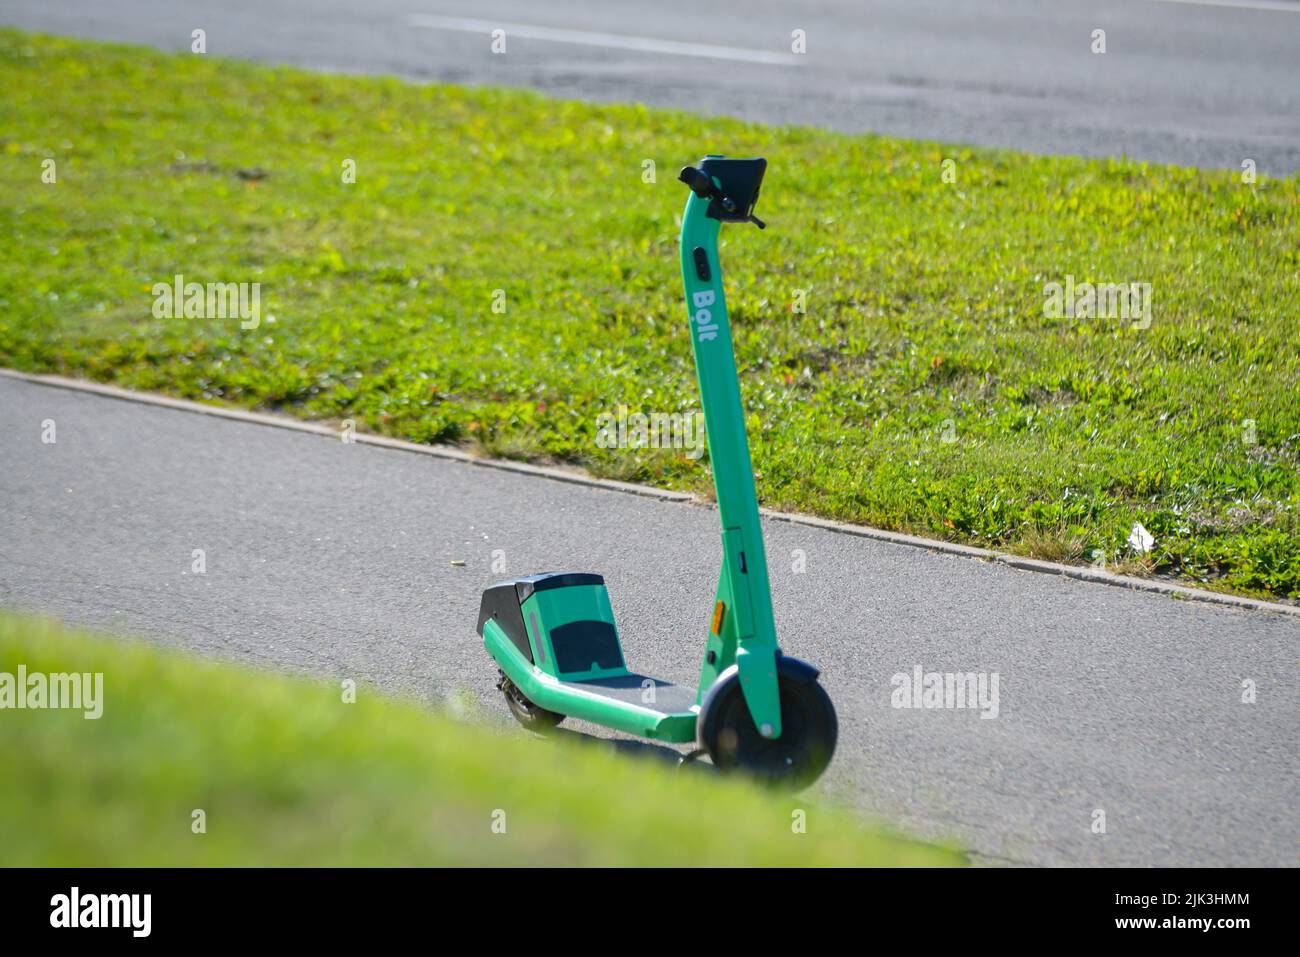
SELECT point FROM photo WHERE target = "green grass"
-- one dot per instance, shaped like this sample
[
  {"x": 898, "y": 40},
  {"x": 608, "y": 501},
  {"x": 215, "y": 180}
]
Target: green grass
[
  {"x": 286, "y": 773},
  {"x": 925, "y": 303}
]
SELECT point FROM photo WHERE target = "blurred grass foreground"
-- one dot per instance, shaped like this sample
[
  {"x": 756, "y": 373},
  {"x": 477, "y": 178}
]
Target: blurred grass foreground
[{"x": 197, "y": 763}]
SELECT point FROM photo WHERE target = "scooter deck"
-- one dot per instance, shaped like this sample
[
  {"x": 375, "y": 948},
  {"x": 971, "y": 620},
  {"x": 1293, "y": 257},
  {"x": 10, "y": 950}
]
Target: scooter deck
[
  {"x": 660, "y": 710},
  {"x": 631, "y": 702},
  {"x": 631, "y": 688}
]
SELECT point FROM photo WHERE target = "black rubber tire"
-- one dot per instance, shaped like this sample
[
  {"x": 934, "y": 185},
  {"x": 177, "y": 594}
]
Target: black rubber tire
[
  {"x": 792, "y": 762},
  {"x": 531, "y": 716}
]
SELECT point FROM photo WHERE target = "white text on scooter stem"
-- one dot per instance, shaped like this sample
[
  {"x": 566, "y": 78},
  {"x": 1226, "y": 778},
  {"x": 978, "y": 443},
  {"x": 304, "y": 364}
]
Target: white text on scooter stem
[{"x": 705, "y": 328}]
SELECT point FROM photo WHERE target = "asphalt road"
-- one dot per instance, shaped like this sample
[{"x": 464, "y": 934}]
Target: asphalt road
[
  {"x": 335, "y": 560},
  {"x": 1194, "y": 82}
]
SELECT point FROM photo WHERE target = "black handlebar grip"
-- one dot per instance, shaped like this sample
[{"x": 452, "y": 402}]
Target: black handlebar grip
[{"x": 700, "y": 182}]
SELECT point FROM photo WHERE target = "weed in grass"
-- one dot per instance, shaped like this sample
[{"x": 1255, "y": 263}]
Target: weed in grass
[{"x": 1058, "y": 544}]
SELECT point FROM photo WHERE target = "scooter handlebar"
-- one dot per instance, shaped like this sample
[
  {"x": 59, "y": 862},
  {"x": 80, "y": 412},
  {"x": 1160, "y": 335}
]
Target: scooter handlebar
[
  {"x": 700, "y": 182},
  {"x": 705, "y": 187}
]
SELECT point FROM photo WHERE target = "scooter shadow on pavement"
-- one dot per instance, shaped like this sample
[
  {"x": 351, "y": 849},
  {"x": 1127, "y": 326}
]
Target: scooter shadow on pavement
[{"x": 633, "y": 748}]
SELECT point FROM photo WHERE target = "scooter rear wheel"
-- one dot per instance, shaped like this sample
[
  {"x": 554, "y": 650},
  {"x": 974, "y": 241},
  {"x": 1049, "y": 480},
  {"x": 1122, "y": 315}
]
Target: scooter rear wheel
[
  {"x": 530, "y": 715},
  {"x": 791, "y": 762}
]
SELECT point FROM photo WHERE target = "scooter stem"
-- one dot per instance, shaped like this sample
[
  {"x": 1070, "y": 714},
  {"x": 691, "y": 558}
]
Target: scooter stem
[{"x": 743, "y": 632}]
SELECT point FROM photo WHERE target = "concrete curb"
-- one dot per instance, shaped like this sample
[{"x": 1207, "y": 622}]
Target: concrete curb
[{"x": 1077, "y": 572}]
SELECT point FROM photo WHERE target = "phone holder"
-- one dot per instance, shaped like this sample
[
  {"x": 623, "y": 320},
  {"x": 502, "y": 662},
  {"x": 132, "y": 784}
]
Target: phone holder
[{"x": 731, "y": 185}]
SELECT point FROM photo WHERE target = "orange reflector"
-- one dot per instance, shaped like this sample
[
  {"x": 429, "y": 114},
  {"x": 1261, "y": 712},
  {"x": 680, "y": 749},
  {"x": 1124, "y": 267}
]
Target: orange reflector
[{"x": 718, "y": 611}]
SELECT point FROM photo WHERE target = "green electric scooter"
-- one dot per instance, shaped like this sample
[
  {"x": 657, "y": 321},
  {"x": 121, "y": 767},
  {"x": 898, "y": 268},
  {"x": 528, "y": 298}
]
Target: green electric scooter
[{"x": 553, "y": 634}]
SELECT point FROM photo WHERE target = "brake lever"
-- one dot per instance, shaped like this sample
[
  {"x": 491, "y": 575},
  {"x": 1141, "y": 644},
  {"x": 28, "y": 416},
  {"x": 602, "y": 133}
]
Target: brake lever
[{"x": 729, "y": 205}]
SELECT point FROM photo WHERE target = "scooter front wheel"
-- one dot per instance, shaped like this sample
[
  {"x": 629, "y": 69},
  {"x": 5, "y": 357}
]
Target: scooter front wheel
[
  {"x": 532, "y": 716},
  {"x": 793, "y": 761}
]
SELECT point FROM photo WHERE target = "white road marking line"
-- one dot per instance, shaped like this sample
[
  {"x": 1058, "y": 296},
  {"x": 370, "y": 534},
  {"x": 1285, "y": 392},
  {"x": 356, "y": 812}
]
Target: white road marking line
[
  {"x": 1276, "y": 5},
  {"x": 614, "y": 41}
]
